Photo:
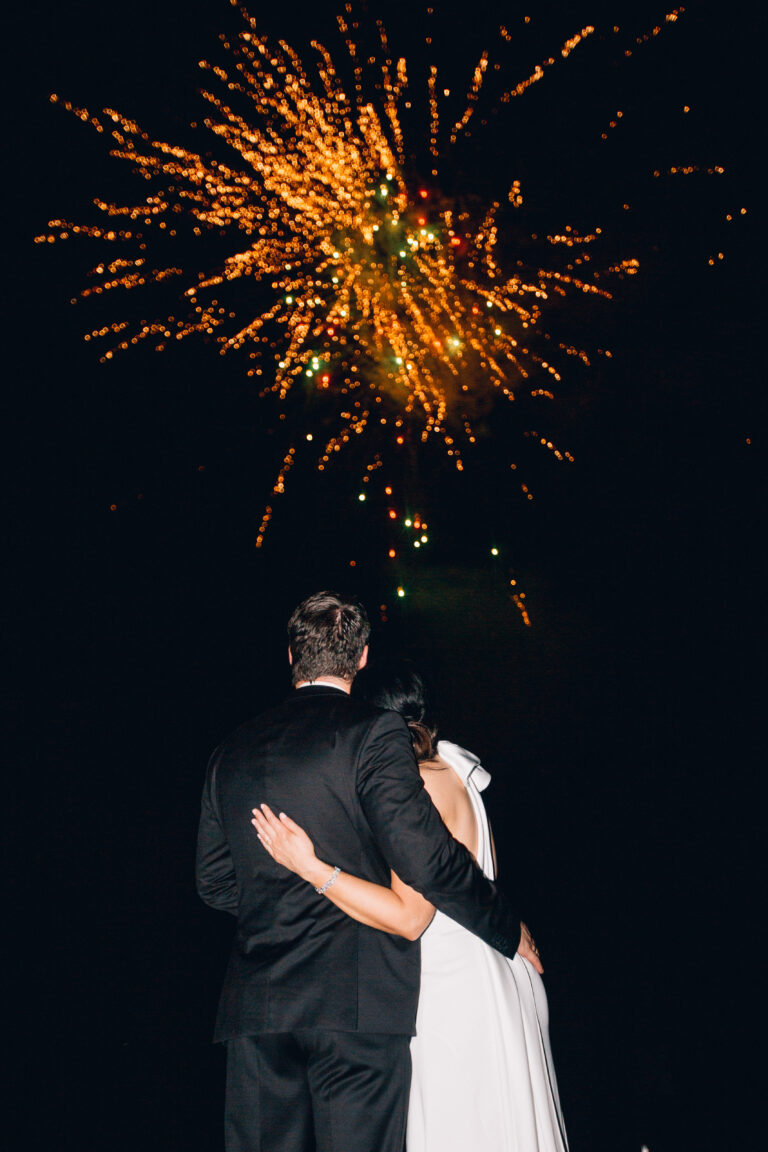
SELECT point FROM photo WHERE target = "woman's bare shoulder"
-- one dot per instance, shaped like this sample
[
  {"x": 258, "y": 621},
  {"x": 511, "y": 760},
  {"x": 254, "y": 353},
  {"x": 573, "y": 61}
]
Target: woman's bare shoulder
[
  {"x": 439, "y": 778},
  {"x": 449, "y": 795},
  {"x": 429, "y": 767}
]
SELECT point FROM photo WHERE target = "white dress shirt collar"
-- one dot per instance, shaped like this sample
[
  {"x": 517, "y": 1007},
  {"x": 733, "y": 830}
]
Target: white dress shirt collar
[{"x": 315, "y": 683}]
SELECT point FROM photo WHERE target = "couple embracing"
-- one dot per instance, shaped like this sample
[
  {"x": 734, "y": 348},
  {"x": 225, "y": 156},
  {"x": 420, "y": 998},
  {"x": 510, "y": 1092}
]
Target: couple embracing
[{"x": 382, "y": 992}]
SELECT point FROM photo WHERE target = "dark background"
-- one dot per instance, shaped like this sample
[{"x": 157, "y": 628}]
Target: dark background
[{"x": 620, "y": 729}]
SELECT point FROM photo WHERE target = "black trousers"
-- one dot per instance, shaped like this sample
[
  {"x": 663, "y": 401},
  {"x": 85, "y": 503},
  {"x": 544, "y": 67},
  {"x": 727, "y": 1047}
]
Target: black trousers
[{"x": 317, "y": 1091}]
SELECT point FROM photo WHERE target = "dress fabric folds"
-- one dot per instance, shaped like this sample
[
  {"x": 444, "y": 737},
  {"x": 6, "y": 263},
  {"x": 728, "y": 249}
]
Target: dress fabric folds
[{"x": 483, "y": 1078}]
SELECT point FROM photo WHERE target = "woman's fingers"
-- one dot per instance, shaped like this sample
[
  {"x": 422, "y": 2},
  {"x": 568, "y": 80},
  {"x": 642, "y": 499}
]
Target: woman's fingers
[
  {"x": 528, "y": 949},
  {"x": 266, "y": 835},
  {"x": 260, "y": 823},
  {"x": 276, "y": 826},
  {"x": 270, "y": 817},
  {"x": 284, "y": 839},
  {"x": 264, "y": 843},
  {"x": 268, "y": 824}
]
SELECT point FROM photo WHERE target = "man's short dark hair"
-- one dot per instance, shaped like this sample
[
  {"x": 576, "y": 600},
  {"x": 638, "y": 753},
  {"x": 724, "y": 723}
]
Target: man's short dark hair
[{"x": 327, "y": 634}]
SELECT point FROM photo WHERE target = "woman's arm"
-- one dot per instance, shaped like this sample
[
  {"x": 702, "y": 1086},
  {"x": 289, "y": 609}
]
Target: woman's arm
[{"x": 398, "y": 909}]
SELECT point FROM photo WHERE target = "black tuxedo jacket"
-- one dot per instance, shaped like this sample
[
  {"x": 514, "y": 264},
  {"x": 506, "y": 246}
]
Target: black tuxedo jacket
[{"x": 346, "y": 772}]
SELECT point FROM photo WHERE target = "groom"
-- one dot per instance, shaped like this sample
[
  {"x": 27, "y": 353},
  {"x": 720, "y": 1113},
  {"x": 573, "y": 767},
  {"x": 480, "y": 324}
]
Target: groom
[{"x": 317, "y": 1010}]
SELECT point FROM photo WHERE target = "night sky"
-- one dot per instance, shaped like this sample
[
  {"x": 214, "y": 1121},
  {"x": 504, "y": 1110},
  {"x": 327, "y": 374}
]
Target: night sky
[{"x": 620, "y": 727}]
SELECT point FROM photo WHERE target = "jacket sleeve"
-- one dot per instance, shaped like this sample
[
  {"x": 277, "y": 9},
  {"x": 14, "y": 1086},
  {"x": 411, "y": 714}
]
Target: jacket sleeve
[
  {"x": 416, "y": 844},
  {"x": 214, "y": 870}
]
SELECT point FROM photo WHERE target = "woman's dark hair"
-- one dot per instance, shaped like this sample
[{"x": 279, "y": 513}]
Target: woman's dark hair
[{"x": 398, "y": 687}]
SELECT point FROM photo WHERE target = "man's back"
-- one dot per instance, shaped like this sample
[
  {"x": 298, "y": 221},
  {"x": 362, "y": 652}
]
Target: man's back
[{"x": 298, "y": 961}]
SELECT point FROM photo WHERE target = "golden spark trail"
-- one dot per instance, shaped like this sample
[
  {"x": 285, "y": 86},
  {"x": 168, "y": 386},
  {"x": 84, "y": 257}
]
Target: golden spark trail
[{"x": 369, "y": 290}]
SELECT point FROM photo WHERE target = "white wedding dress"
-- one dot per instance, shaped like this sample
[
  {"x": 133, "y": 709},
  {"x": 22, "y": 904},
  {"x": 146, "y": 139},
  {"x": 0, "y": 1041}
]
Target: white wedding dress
[{"x": 483, "y": 1078}]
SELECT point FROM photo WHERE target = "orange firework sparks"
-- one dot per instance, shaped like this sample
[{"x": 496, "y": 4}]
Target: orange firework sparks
[{"x": 373, "y": 291}]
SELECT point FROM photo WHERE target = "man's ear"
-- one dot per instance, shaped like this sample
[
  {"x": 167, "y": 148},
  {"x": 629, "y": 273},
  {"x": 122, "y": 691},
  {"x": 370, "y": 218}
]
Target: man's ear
[
  {"x": 363, "y": 658},
  {"x": 290, "y": 656}
]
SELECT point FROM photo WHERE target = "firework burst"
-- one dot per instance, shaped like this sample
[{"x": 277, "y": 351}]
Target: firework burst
[{"x": 364, "y": 286}]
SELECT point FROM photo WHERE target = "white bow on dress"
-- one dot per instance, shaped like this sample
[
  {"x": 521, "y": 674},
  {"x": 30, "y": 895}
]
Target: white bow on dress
[{"x": 464, "y": 763}]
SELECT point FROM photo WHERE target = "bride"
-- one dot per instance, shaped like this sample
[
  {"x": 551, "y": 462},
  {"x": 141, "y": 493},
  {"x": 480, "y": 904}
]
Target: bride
[{"x": 482, "y": 1066}]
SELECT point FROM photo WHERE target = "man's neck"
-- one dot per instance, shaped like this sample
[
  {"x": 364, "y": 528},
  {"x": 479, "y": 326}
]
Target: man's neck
[{"x": 330, "y": 681}]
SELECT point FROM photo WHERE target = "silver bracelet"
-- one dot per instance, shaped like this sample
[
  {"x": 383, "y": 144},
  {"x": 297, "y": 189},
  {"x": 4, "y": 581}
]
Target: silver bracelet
[{"x": 329, "y": 881}]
